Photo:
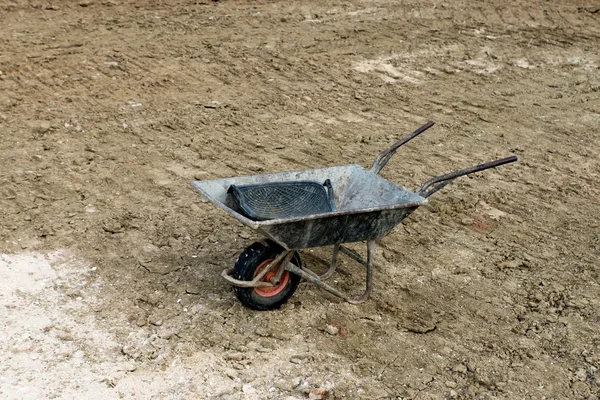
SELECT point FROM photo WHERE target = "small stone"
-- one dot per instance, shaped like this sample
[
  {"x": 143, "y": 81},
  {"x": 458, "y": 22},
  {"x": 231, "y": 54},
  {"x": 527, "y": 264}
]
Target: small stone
[
  {"x": 44, "y": 126},
  {"x": 41, "y": 126},
  {"x": 248, "y": 389},
  {"x": 130, "y": 351},
  {"x": 195, "y": 290},
  {"x": 201, "y": 175},
  {"x": 510, "y": 264},
  {"x": 168, "y": 333},
  {"x": 332, "y": 330},
  {"x": 461, "y": 270},
  {"x": 484, "y": 379},
  {"x": 234, "y": 356},
  {"x": 253, "y": 346},
  {"x": 296, "y": 382},
  {"x": 467, "y": 221},
  {"x": 156, "y": 318},
  {"x": 231, "y": 373},
  {"x": 317, "y": 394},
  {"x": 113, "y": 227},
  {"x": 154, "y": 298},
  {"x": 582, "y": 389},
  {"x": 263, "y": 332},
  {"x": 74, "y": 293},
  {"x": 581, "y": 374},
  {"x": 66, "y": 336},
  {"x": 287, "y": 385},
  {"x": 304, "y": 387},
  {"x": 460, "y": 368},
  {"x": 450, "y": 384},
  {"x": 453, "y": 394},
  {"x": 245, "y": 234},
  {"x": 295, "y": 360}
]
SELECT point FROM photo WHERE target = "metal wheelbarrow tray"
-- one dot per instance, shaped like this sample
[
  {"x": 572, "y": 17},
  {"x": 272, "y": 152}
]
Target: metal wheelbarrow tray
[{"x": 367, "y": 207}]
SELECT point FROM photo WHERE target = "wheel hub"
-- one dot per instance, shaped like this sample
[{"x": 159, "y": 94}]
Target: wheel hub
[{"x": 269, "y": 291}]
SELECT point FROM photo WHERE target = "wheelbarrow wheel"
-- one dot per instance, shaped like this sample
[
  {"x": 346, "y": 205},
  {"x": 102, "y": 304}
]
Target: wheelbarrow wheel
[{"x": 249, "y": 264}]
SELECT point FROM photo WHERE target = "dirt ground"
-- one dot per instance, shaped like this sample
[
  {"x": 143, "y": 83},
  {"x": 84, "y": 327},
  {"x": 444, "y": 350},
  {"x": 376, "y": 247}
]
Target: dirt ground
[{"x": 111, "y": 262}]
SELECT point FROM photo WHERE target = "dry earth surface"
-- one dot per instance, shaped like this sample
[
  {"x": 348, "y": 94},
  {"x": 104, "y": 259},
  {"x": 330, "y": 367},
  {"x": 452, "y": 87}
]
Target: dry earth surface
[{"x": 110, "y": 261}]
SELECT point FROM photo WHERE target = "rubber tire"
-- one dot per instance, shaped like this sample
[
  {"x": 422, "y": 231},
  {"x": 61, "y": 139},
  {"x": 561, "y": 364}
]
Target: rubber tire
[{"x": 248, "y": 261}]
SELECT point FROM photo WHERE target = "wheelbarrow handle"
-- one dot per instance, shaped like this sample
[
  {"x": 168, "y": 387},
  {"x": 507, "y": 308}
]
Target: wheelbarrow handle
[
  {"x": 383, "y": 157},
  {"x": 445, "y": 179}
]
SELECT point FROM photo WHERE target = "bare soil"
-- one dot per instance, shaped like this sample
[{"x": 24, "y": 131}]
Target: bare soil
[{"x": 111, "y": 261}]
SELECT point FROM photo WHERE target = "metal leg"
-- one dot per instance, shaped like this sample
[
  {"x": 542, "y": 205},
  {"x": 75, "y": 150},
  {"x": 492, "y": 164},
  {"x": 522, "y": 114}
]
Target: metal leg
[
  {"x": 315, "y": 279},
  {"x": 369, "y": 288},
  {"x": 334, "y": 260}
]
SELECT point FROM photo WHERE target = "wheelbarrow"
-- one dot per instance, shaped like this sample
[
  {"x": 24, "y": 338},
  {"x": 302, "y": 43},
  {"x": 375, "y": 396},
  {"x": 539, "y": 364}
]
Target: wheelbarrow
[{"x": 365, "y": 207}]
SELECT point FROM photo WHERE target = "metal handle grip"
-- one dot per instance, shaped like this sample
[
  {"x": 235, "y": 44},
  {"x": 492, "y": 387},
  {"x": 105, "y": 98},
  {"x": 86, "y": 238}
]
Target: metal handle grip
[
  {"x": 445, "y": 179},
  {"x": 383, "y": 157}
]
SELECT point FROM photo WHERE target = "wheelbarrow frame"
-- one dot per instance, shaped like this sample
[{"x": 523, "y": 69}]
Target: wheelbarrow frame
[{"x": 364, "y": 215}]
